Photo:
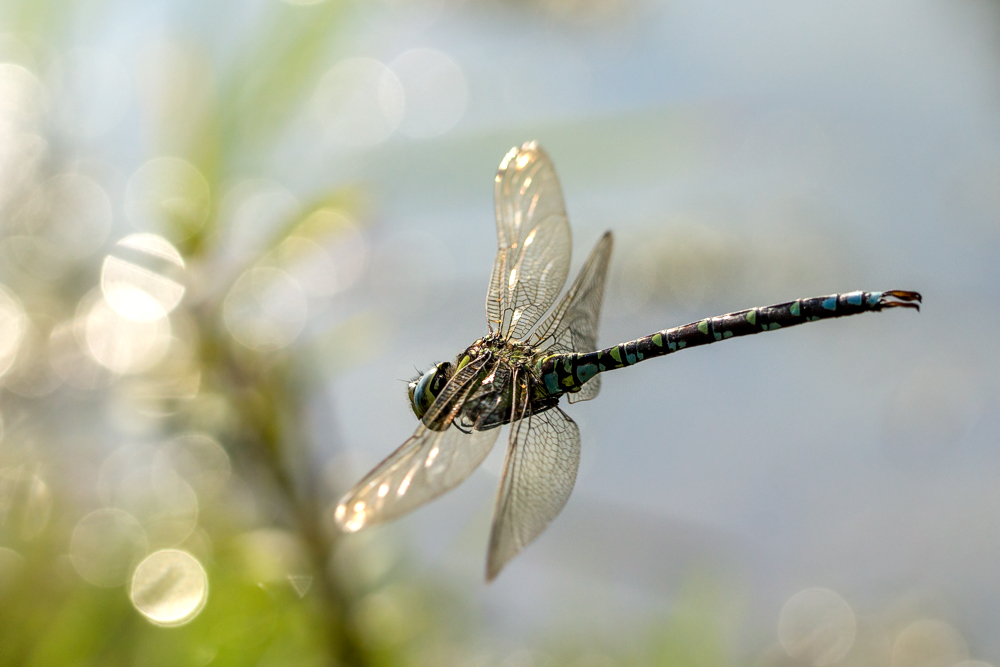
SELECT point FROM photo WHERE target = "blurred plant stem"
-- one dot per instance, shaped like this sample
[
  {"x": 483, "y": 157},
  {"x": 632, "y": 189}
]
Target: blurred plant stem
[
  {"x": 268, "y": 391},
  {"x": 269, "y": 403},
  {"x": 225, "y": 126}
]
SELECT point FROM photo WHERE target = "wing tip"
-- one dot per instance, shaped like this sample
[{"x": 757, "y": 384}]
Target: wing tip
[
  {"x": 511, "y": 154},
  {"x": 527, "y": 147},
  {"x": 353, "y": 523},
  {"x": 498, "y": 553},
  {"x": 493, "y": 568}
]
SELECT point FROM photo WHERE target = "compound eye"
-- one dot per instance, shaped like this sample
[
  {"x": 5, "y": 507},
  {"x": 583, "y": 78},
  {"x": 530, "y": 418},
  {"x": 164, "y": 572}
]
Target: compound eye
[
  {"x": 426, "y": 389},
  {"x": 411, "y": 391}
]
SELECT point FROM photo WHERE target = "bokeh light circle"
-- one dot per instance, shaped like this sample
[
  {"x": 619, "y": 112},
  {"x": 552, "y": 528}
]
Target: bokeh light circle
[
  {"x": 326, "y": 254},
  {"x": 125, "y": 345},
  {"x": 359, "y": 101},
  {"x": 168, "y": 195},
  {"x": 929, "y": 643},
  {"x": 13, "y": 324},
  {"x": 138, "y": 292},
  {"x": 434, "y": 89},
  {"x": 169, "y": 587},
  {"x": 105, "y": 545},
  {"x": 271, "y": 555},
  {"x": 23, "y": 98},
  {"x": 69, "y": 216},
  {"x": 199, "y": 460},
  {"x": 266, "y": 309},
  {"x": 253, "y": 211},
  {"x": 32, "y": 375},
  {"x": 817, "y": 626},
  {"x": 70, "y": 357}
]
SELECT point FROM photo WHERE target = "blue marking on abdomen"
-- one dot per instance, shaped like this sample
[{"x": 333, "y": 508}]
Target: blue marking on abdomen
[
  {"x": 854, "y": 298},
  {"x": 831, "y": 303},
  {"x": 551, "y": 383},
  {"x": 585, "y": 372},
  {"x": 873, "y": 298}
]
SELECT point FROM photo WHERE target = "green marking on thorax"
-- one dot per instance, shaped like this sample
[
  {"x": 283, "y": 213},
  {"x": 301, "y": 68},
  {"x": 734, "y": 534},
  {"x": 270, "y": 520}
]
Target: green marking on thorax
[{"x": 462, "y": 363}]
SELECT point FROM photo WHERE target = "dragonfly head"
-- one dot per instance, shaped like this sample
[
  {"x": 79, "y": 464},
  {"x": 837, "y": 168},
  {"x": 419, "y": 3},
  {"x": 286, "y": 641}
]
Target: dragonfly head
[{"x": 424, "y": 389}]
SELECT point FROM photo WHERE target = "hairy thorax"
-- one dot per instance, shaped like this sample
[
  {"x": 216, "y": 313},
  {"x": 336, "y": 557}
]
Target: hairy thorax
[{"x": 506, "y": 385}]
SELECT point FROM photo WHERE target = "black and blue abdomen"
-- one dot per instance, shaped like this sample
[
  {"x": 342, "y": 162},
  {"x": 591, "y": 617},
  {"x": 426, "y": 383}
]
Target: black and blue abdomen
[{"x": 564, "y": 373}]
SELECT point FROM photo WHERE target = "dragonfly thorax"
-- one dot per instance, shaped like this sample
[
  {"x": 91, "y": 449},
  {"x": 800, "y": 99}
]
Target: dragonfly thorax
[{"x": 425, "y": 389}]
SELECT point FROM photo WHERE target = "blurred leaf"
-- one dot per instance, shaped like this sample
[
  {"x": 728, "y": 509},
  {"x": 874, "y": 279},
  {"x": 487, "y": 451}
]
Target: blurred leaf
[
  {"x": 309, "y": 225},
  {"x": 272, "y": 77},
  {"x": 91, "y": 622},
  {"x": 695, "y": 634}
]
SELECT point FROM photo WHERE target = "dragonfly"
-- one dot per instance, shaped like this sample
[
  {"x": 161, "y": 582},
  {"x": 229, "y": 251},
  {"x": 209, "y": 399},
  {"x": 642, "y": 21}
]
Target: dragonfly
[{"x": 536, "y": 352}]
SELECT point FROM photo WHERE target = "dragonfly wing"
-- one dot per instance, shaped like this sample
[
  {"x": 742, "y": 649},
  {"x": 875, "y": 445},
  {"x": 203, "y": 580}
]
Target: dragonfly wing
[
  {"x": 572, "y": 325},
  {"x": 543, "y": 455},
  {"x": 433, "y": 460},
  {"x": 425, "y": 466},
  {"x": 533, "y": 242}
]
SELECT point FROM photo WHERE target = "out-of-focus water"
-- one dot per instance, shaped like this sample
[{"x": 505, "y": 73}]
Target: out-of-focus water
[{"x": 815, "y": 149}]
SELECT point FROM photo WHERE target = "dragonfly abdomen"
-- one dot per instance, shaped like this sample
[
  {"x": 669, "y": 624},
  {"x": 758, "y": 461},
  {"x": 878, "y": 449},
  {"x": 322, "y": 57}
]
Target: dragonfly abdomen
[{"x": 562, "y": 373}]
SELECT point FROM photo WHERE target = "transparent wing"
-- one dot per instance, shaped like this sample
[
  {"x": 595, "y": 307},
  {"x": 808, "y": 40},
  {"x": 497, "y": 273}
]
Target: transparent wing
[
  {"x": 433, "y": 460},
  {"x": 424, "y": 467},
  {"x": 572, "y": 325},
  {"x": 533, "y": 242},
  {"x": 543, "y": 455}
]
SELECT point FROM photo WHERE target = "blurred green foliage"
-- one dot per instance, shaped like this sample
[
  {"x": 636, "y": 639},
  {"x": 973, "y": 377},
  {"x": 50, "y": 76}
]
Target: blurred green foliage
[
  {"x": 312, "y": 603},
  {"x": 284, "y": 587}
]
